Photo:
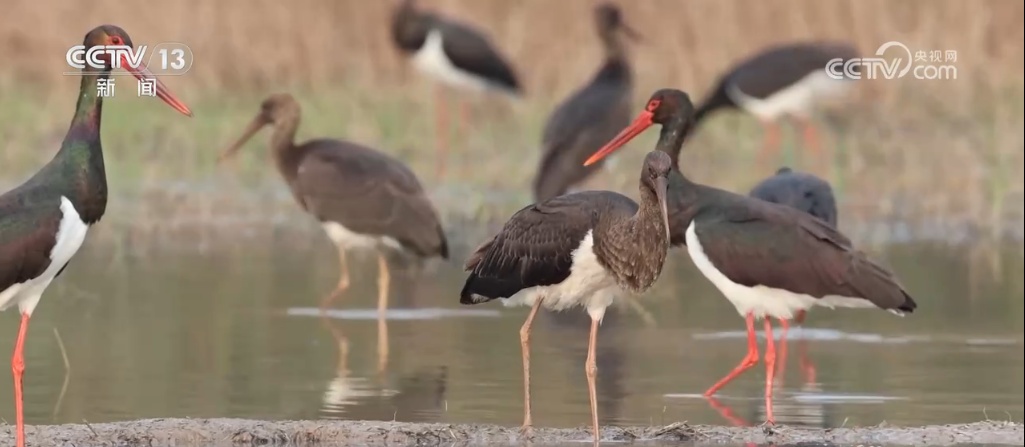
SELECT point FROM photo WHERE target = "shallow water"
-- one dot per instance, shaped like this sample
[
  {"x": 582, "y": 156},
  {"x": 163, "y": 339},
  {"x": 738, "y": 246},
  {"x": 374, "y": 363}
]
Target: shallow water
[{"x": 156, "y": 330}]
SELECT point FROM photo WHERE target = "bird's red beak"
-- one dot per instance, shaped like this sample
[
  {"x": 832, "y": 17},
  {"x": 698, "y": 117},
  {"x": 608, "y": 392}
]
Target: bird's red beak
[
  {"x": 643, "y": 121},
  {"x": 162, "y": 92}
]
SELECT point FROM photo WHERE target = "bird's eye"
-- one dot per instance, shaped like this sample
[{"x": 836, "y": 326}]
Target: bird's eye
[
  {"x": 116, "y": 40},
  {"x": 653, "y": 104}
]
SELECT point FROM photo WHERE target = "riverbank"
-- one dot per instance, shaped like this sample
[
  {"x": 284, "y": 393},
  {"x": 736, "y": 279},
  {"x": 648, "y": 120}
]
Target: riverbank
[{"x": 241, "y": 432}]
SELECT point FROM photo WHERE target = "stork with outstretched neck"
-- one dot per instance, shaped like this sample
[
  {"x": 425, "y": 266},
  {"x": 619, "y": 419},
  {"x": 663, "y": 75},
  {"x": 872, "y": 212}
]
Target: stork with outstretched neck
[
  {"x": 768, "y": 259},
  {"x": 583, "y": 249},
  {"x": 589, "y": 117},
  {"x": 44, "y": 221},
  {"x": 363, "y": 198}
]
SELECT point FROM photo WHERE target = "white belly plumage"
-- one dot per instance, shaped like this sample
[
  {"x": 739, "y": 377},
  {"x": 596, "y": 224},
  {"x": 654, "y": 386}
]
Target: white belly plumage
[
  {"x": 589, "y": 285},
  {"x": 345, "y": 238},
  {"x": 70, "y": 235},
  {"x": 432, "y": 60},
  {"x": 759, "y": 300},
  {"x": 796, "y": 99}
]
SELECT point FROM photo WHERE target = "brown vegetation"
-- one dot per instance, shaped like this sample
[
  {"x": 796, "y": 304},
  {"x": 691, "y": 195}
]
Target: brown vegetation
[
  {"x": 266, "y": 43},
  {"x": 945, "y": 147}
]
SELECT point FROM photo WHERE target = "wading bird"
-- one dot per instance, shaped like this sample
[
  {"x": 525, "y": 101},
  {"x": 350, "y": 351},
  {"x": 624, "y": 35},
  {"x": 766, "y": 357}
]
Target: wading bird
[
  {"x": 456, "y": 55},
  {"x": 786, "y": 80},
  {"x": 582, "y": 249},
  {"x": 769, "y": 260},
  {"x": 591, "y": 116},
  {"x": 43, "y": 221},
  {"x": 363, "y": 198}
]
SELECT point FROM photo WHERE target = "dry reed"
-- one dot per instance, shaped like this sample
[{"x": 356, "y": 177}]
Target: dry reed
[{"x": 939, "y": 147}]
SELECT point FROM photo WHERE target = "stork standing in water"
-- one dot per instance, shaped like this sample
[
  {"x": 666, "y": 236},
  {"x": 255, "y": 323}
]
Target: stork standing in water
[
  {"x": 363, "y": 198},
  {"x": 455, "y": 54},
  {"x": 43, "y": 221},
  {"x": 591, "y": 116},
  {"x": 769, "y": 260},
  {"x": 786, "y": 80},
  {"x": 582, "y": 249}
]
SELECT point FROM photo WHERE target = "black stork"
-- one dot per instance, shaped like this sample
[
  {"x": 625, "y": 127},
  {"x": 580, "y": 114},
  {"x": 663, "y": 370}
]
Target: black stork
[
  {"x": 581, "y": 249},
  {"x": 453, "y": 53},
  {"x": 786, "y": 80},
  {"x": 768, "y": 259},
  {"x": 802, "y": 191},
  {"x": 44, "y": 221},
  {"x": 591, "y": 116},
  {"x": 363, "y": 198}
]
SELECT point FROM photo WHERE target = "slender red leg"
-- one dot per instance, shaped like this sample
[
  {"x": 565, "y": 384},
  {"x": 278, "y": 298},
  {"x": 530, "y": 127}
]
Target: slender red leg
[
  {"x": 811, "y": 141},
  {"x": 770, "y": 369},
  {"x": 462, "y": 135},
  {"x": 806, "y": 365},
  {"x": 748, "y": 362},
  {"x": 18, "y": 370},
  {"x": 770, "y": 141},
  {"x": 726, "y": 412},
  {"x": 782, "y": 359},
  {"x": 441, "y": 131}
]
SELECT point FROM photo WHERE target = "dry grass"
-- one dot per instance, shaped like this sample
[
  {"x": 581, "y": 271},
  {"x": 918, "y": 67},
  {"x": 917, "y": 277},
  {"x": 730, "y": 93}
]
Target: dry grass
[{"x": 925, "y": 148}]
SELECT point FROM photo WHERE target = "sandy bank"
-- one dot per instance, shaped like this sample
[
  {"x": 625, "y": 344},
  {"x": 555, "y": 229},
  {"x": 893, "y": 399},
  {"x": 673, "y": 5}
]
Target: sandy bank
[{"x": 177, "y": 432}]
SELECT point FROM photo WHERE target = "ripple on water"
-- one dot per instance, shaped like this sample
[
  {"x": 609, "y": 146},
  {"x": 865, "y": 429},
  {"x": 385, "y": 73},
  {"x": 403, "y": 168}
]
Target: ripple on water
[
  {"x": 392, "y": 314},
  {"x": 818, "y": 334}
]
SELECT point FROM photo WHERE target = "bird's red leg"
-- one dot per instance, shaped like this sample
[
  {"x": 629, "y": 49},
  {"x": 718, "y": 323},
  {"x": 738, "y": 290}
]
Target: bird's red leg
[
  {"x": 441, "y": 131},
  {"x": 18, "y": 370},
  {"x": 811, "y": 141},
  {"x": 770, "y": 369},
  {"x": 770, "y": 141},
  {"x": 726, "y": 412},
  {"x": 525, "y": 430},
  {"x": 782, "y": 359},
  {"x": 462, "y": 136},
  {"x": 806, "y": 365},
  {"x": 748, "y": 362}
]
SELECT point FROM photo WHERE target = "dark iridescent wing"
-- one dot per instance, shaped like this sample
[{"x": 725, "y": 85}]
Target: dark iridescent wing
[{"x": 771, "y": 245}]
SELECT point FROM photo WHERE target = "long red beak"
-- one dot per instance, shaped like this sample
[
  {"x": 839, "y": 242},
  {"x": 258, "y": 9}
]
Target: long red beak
[
  {"x": 162, "y": 92},
  {"x": 642, "y": 122}
]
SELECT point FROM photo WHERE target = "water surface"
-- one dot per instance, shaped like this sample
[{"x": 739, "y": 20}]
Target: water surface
[{"x": 172, "y": 330}]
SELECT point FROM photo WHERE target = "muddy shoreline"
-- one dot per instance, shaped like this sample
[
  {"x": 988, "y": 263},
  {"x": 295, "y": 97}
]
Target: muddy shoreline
[{"x": 241, "y": 432}]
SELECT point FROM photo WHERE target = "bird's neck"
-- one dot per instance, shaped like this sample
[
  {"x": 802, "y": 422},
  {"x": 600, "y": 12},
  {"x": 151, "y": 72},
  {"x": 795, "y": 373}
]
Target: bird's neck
[
  {"x": 634, "y": 249},
  {"x": 617, "y": 64},
  {"x": 85, "y": 125},
  {"x": 78, "y": 169},
  {"x": 282, "y": 142},
  {"x": 671, "y": 140}
]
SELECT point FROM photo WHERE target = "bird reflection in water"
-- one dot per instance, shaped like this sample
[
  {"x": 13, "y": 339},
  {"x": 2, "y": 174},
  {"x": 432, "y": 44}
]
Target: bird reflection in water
[
  {"x": 808, "y": 414},
  {"x": 364, "y": 398},
  {"x": 610, "y": 355}
]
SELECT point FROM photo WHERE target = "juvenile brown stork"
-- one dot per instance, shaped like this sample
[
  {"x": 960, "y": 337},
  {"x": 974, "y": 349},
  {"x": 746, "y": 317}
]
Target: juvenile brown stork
[
  {"x": 591, "y": 116},
  {"x": 455, "y": 54},
  {"x": 782, "y": 81},
  {"x": 582, "y": 249},
  {"x": 364, "y": 199},
  {"x": 44, "y": 221},
  {"x": 768, "y": 259}
]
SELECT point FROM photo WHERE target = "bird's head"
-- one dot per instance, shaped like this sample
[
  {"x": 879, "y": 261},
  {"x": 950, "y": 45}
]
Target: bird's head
[
  {"x": 115, "y": 36},
  {"x": 668, "y": 107},
  {"x": 277, "y": 109}
]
